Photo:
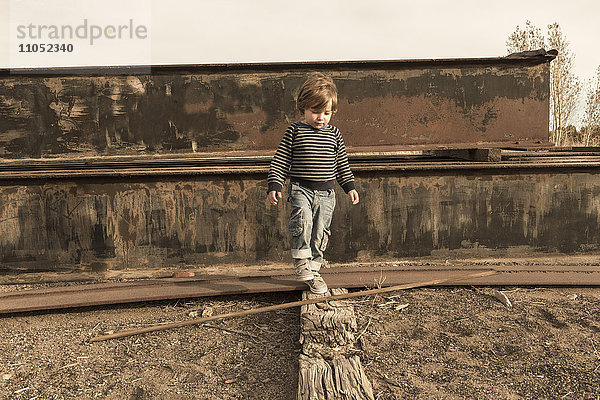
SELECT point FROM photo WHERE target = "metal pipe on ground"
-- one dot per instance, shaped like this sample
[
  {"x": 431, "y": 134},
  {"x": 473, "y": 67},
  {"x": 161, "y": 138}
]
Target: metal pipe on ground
[{"x": 284, "y": 306}]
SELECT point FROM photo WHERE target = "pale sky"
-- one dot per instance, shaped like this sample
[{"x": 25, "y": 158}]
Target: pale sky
[{"x": 229, "y": 31}]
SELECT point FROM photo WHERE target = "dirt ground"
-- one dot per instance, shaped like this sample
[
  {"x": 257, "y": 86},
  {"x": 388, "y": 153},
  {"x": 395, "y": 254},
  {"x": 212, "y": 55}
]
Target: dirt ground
[
  {"x": 429, "y": 343},
  {"x": 48, "y": 356},
  {"x": 455, "y": 343}
]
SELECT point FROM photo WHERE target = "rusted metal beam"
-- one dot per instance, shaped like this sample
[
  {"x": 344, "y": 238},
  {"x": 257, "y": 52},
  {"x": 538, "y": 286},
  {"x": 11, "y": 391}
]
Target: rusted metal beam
[
  {"x": 407, "y": 209},
  {"x": 163, "y": 289},
  {"x": 479, "y": 155},
  {"x": 259, "y": 166},
  {"x": 83, "y": 112}
]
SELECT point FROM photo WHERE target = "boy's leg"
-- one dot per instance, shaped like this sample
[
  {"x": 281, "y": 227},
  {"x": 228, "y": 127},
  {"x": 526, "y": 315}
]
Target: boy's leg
[
  {"x": 322, "y": 212},
  {"x": 323, "y": 207},
  {"x": 300, "y": 228},
  {"x": 303, "y": 270}
]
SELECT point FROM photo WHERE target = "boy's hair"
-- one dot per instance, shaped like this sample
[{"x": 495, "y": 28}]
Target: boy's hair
[{"x": 316, "y": 92}]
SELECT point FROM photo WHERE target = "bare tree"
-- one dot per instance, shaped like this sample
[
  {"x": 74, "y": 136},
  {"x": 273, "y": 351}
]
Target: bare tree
[
  {"x": 591, "y": 121},
  {"x": 564, "y": 85},
  {"x": 526, "y": 39}
]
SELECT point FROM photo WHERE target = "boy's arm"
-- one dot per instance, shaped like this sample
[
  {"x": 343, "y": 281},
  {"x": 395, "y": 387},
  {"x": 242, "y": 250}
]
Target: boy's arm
[
  {"x": 353, "y": 196},
  {"x": 343, "y": 173},
  {"x": 281, "y": 163},
  {"x": 274, "y": 197}
]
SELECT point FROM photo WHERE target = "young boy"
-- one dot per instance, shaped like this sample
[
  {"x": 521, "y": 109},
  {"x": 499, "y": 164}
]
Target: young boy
[{"x": 313, "y": 154}]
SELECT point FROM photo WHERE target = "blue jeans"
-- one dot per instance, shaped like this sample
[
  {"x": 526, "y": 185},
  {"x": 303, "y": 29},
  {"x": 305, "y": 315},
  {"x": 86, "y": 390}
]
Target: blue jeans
[{"x": 310, "y": 220}]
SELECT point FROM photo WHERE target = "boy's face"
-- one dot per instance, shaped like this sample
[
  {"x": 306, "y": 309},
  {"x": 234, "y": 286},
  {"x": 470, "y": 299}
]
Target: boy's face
[{"x": 318, "y": 118}]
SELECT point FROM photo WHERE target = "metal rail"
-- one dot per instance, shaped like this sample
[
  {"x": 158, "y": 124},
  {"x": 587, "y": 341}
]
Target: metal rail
[{"x": 360, "y": 277}]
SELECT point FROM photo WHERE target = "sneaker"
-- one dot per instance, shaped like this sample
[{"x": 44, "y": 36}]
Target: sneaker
[
  {"x": 317, "y": 285},
  {"x": 303, "y": 272}
]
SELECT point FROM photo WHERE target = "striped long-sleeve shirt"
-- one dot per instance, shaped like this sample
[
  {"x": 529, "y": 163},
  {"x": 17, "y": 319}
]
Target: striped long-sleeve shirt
[{"x": 315, "y": 158}]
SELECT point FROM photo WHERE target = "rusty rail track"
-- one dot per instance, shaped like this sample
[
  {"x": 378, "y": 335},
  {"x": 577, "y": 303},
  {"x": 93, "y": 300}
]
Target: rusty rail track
[
  {"x": 121, "y": 167},
  {"x": 217, "y": 285}
]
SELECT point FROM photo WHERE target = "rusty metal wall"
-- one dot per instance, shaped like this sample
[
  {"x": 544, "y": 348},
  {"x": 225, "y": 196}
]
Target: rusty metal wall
[
  {"x": 187, "y": 109},
  {"x": 66, "y": 203},
  {"x": 97, "y": 224}
]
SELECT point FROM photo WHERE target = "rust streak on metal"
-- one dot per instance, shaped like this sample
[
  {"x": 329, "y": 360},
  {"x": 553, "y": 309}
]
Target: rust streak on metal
[
  {"x": 202, "y": 109},
  {"x": 429, "y": 209}
]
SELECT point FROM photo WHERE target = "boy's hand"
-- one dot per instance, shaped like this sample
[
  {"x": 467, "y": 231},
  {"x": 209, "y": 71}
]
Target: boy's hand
[
  {"x": 274, "y": 197},
  {"x": 353, "y": 196}
]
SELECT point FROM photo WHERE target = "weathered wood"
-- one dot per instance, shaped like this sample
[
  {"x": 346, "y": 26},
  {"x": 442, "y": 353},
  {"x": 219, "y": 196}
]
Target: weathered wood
[
  {"x": 316, "y": 379},
  {"x": 329, "y": 366}
]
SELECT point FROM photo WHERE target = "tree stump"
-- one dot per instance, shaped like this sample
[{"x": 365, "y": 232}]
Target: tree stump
[{"x": 330, "y": 369}]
